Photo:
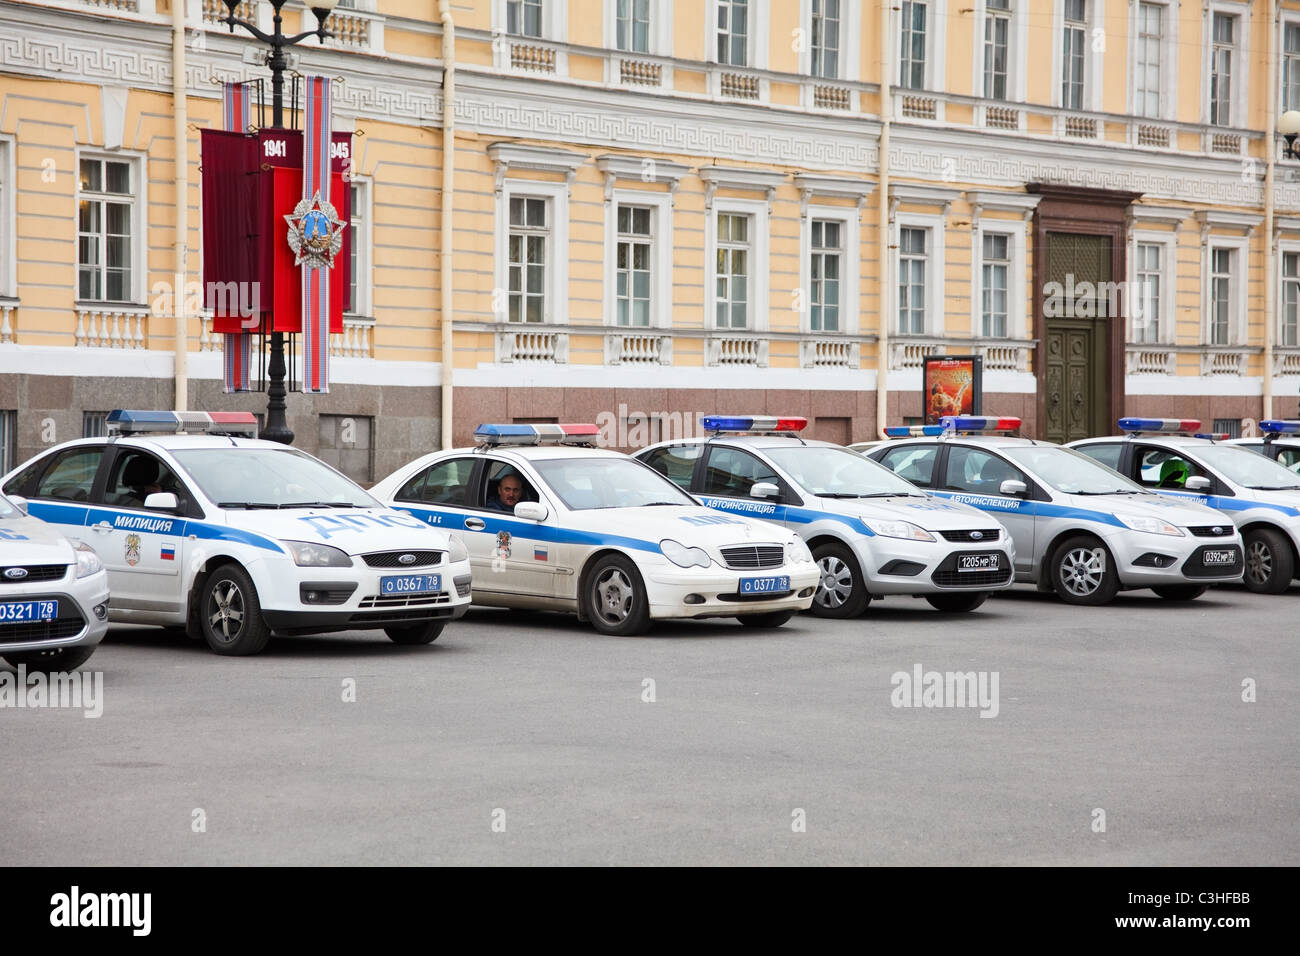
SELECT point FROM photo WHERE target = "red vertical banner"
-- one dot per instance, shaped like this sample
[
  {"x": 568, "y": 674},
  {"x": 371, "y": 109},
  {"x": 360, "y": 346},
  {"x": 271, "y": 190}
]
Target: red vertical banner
[
  {"x": 237, "y": 352},
  {"x": 316, "y": 236}
]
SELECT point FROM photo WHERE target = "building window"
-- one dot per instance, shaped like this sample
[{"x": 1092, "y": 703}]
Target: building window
[
  {"x": 632, "y": 26},
  {"x": 1291, "y": 67},
  {"x": 94, "y": 424},
  {"x": 826, "y": 38},
  {"x": 733, "y": 32},
  {"x": 732, "y": 271},
  {"x": 106, "y": 206},
  {"x": 345, "y": 444},
  {"x": 997, "y": 33},
  {"x": 633, "y": 256},
  {"x": 1150, "y": 36},
  {"x": 1074, "y": 43},
  {"x": 824, "y": 272},
  {"x": 1290, "y": 299},
  {"x": 912, "y": 59},
  {"x": 7, "y": 218},
  {"x": 524, "y": 18},
  {"x": 1224, "y": 44},
  {"x": 1147, "y": 269},
  {"x": 8, "y": 441},
  {"x": 911, "y": 281},
  {"x": 358, "y": 297},
  {"x": 1228, "y": 426},
  {"x": 996, "y": 281},
  {"x": 529, "y": 235},
  {"x": 1221, "y": 262}
]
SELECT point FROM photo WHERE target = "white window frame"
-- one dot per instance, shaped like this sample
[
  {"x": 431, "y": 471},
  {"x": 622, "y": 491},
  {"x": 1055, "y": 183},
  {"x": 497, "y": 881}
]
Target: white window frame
[
  {"x": 661, "y": 256},
  {"x": 936, "y": 38},
  {"x": 1168, "y": 60},
  {"x": 1168, "y": 242},
  {"x": 8, "y": 219},
  {"x": 1093, "y": 63},
  {"x": 850, "y": 40},
  {"x": 934, "y": 270},
  {"x": 555, "y": 29},
  {"x": 849, "y": 218},
  {"x": 1285, "y": 247},
  {"x": 1017, "y": 299},
  {"x": 1240, "y": 62},
  {"x": 661, "y": 28},
  {"x": 364, "y": 306},
  {"x": 760, "y": 278},
  {"x": 1237, "y": 291},
  {"x": 139, "y": 162},
  {"x": 760, "y": 19},
  {"x": 1287, "y": 18},
  {"x": 557, "y": 248},
  {"x": 1017, "y": 44}
]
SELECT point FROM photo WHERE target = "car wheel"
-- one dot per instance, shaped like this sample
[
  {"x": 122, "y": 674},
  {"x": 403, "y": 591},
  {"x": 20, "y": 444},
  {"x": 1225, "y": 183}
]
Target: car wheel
[
  {"x": 56, "y": 660},
  {"x": 1180, "y": 592},
  {"x": 1269, "y": 563},
  {"x": 841, "y": 592},
  {"x": 415, "y": 633},
  {"x": 1083, "y": 572},
  {"x": 957, "y": 603},
  {"x": 615, "y": 597},
  {"x": 770, "y": 619},
  {"x": 231, "y": 614}
]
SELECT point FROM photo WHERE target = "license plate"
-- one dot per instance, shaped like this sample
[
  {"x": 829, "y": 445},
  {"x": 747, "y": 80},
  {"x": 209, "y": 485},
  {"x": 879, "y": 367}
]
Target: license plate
[
  {"x": 1219, "y": 557},
  {"x": 764, "y": 585},
  {"x": 20, "y": 612},
  {"x": 977, "y": 562},
  {"x": 410, "y": 584}
]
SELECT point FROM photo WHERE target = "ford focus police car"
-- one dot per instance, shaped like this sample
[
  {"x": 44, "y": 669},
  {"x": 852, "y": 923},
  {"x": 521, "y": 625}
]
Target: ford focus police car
[
  {"x": 53, "y": 594},
  {"x": 553, "y": 523},
  {"x": 1080, "y": 529},
  {"x": 871, "y": 532},
  {"x": 1261, "y": 497},
  {"x": 1279, "y": 441},
  {"x": 234, "y": 538}
]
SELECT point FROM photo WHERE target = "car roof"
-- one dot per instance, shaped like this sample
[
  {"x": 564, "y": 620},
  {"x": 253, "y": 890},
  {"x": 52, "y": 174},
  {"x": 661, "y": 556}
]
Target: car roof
[
  {"x": 743, "y": 440},
  {"x": 992, "y": 441},
  {"x": 537, "y": 452},
  {"x": 1180, "y": 440},
  {"x": 180, "y": 442}
]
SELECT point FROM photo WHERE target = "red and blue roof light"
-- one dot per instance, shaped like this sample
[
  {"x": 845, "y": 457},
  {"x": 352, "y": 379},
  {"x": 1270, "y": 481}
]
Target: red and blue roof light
[
  {"x": 1165, "y": 425},
  {"x": 979, "y": 423},
  {"x": 1278, "y": 426},
  {"x": 913, "y": 431},
  {"x": 123, "y": 421},
  {"x": 753, "y": 423},
  {"x": 537, "y": 434}
]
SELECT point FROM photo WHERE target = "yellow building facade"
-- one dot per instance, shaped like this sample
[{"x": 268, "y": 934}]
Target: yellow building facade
[{"x": 661, "y": 208}]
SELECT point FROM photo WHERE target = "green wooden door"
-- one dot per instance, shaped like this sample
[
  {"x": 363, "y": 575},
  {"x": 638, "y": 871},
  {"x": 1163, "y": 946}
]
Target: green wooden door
[{"x": 1076, "y": 332}]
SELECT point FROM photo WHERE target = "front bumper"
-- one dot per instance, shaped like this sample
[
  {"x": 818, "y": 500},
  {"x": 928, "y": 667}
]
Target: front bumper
[
  {"x": 675, "y": 592},
  {"x": 1149, "y": 560},
  {"x": 78, "y": 623},
  {"x": 903, "y": 566}
]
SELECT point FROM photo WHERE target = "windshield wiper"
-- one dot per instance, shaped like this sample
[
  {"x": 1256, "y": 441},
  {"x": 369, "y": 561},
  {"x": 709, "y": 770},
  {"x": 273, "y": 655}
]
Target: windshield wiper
[
  {"x": 667, "y": 504},
  {"x": 1273, "y": 487},
  {"x": 1115, "y": 491},
  {"x": 247, "y": 504},
  {"x": 319, "y": 504}
]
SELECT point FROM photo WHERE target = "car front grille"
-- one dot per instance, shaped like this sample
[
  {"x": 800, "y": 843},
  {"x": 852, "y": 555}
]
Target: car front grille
[
  {"x": 404, "y": 600},
  {"x": 946, "y": 574},
  {"x": 1213, "y": 530},
  {"x": 753, "y": 557},
  {"x": 1195, "y": 566},
  {"x": 60, "y": 627},
  {"x": 985, "y": 534},
  {"x": 35, "y": 572},
  {"x": 392, "y": 559}
]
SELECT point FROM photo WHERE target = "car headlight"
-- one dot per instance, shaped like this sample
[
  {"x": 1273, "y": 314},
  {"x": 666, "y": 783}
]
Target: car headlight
[
  {"x": 796, "y": 552},
  {"x": 1149, "y": 524},
  {"x": 88, "y": 562},
  {"x": 308, "y": 554},
  {"x": 683, "y": 556},
  {"x": 458, "y": 551},
  {"x": 898, "y": 529}
]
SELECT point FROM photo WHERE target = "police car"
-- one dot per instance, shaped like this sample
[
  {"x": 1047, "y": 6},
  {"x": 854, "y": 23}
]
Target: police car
[
  {"x": 1261, "y": 497},
  {"x": 234, "y": 538},
  {"x": 1080, "y": 529},
  {"x": 53, "y": 594},
  {"x": 553, "y": 523},
  {"x": 1280, "y": 443},
  {"x": 871, "y": 532}
]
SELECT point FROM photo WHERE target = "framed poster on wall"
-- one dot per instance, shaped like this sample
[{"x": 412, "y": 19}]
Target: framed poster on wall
[{"x": 952, "y": 385}]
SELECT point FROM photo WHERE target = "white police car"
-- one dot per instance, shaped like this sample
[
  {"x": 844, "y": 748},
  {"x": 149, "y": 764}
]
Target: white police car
[
  {"x": 53, "y": 594},
  {"x": 1279, "y": 441},
  {"x": 1261, "y": 497},
  {"x": 235, "y": 538},
  {"x": 871, "y": 532},
  {"x": 1081, "y": 530},
  {"x": 552, "y": 523}
]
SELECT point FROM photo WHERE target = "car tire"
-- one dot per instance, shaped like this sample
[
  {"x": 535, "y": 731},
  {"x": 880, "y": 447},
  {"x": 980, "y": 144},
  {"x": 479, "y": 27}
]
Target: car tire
[
  {"x": 230, "y": 615},
  {"x": 957, "y": 603},
  {"x": 614, "y": 597},
  {"x": 848, "y": 597},
  {"x": 1270, "y": 565},
  {"x": 415, "y": 633},
  {"x": 1083, "y": 572},
  {"x": 1181, "y": 592},
  {"x": 56, "y": 660},
  {"x": 770, "y": 619}
]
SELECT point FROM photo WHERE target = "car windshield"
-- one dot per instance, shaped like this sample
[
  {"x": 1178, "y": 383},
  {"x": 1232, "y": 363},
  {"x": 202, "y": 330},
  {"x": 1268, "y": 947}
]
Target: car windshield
[
  {"x": 586, "y": 484},
  {"x": 833, "y": 472},
  {"x": 7, "y": 509},
  {"x": 1070, "y": 472},
  {"x": 243, "y": 477},
  {"x": 1245, "y": 468}
]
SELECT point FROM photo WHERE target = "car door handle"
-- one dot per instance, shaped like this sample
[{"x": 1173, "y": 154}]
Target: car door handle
[
  {"x": 102, "y": 527},
  {"x": 475, "y": 524}
]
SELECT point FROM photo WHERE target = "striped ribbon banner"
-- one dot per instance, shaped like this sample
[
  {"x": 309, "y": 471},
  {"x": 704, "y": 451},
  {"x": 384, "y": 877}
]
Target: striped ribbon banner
[
  {"x": 237, "y": 354},
  {"x": 316, "y": 281}
]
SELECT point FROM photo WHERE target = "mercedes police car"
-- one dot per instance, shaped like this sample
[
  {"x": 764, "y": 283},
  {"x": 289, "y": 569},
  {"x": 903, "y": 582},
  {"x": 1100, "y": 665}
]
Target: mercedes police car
[
  {"x": 1261, "y": 497},
  {"x": 553, "y": 523},
  {"x": 1080, "y": 529},
  {"x": 872, "y": 533},
  {"x": 53, "y": 594},
  {"x": 234, "y": 538}
]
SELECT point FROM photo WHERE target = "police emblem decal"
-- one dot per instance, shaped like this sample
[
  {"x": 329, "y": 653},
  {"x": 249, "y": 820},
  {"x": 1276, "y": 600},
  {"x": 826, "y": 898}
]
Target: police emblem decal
[
  {"x": 133, "y": 549},
  {"x": 503, "y": 544},
  {"x": 315, "y": 233}
]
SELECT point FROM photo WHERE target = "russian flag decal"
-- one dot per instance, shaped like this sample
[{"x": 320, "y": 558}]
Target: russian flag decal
[
  {"x": 168, "y": 553},
  {"x": 539, "y": 554}
]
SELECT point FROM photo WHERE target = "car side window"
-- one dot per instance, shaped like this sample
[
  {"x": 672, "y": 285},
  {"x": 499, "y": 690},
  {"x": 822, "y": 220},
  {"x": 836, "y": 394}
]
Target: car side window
[
  {"x": 1289, "y": 457},
  {"x": 136, "y": 475},
  {"x": 676, "y": 463},
  {"x": 1163, "y": 468},
  {"x": 732, "y": 473},
  {"x": 979, "y": 471},
  {"x": 516, "y": 488},
  {"x": 913, "y": 462},
  {"x": 445, "y": 483},
  {"x": 71, "y": 476},
  {"x": 1105, "y": 453}
]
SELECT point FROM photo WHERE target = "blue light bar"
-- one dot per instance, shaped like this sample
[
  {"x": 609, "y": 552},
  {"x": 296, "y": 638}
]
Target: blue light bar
[
  {"x": 913, "y": 431},
  {"x": 1278, "y": 426},
  {"x": 754, "y": 423},
  {"x": 979, "y": 423},
  {"x": 571, "y": 434},
  {"x": 125, "y": 421},
  {"x": 1168, "y": 425}
]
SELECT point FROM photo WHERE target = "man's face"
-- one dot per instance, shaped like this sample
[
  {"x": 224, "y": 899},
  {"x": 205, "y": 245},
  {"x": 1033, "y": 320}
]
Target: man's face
[{"x": 510, "y": 490}]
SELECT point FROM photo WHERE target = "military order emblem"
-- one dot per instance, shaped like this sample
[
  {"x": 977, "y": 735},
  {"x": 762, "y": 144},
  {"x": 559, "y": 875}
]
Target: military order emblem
[
  {"x": 315, "y": 233},
  {"x": 133, "y": 549},
  {"x": 503, "y": 544}
]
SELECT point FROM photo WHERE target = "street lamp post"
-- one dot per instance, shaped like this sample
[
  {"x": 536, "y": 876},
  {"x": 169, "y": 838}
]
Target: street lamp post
[{"x": 277, "y": 428}]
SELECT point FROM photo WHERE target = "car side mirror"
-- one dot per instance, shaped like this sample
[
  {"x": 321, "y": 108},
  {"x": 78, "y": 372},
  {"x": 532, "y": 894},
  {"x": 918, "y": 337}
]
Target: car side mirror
[
  {"x": 161, "y": 501},
  {"x": 1197, "y": 483},
  {"x": 1013, "y": 486},
  {"x": 531, "y": 511},
  {"x": 764, "y": 489},
  {"x": 20, "y": 503}
]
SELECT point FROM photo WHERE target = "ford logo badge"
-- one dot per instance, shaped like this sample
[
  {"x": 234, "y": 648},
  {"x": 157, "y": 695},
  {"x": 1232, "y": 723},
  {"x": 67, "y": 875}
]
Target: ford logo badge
[
  {"x": 1217, "y": 530},
  {"x": 977, "y": 535},
  {"x": 15, "y": 574},
  {"x": 406, "y": 559}
]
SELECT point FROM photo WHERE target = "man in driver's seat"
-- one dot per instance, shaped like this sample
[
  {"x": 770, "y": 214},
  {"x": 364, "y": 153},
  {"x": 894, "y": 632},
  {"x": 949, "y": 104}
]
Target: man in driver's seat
[
  {"x": 140, "y": 476},
  {"x": 510, "y": 491}
]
